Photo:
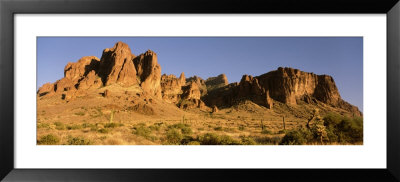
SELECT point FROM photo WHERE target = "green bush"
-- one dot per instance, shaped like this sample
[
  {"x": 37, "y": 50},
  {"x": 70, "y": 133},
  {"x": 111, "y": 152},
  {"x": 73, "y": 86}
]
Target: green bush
[
  {"x": 142, "y": 130},
  {"x": 48, "y": 140},
  {"x": 155, "y": 127},
  {"x": 186, "y": 131},
  {"x": 78, "y": 141},
  {"x": 74, "y": 127},
  {"x": 214, "y": 139},
  {"x": 80, "y": 113},
  {"x": 241, "y": 127},
  {"x": 282, "y": 131},
  {"x": 343, "y": 129},
  {"x": 185, "y": 128},
  {"x": 297, "y": 137},
  {"x": 60, "y": 126},
  {"x": 193, "y": 143},
  {"x": 103, "y": 130},
  {"x": 174, "y": 136},
  {"x": 248, "y": 141},
  {"x": 43, "y": 125},
  {"x": 218, "y": 128},
  {"x": 265, "y": 131},
  {"x": 266, "y": 140},
  {"x": 113, "y": 125}
]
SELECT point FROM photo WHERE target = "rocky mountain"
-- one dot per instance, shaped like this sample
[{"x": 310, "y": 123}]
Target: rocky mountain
[
  {"x": 118, "y": 66},
  {"x": 285, "y": 85}
]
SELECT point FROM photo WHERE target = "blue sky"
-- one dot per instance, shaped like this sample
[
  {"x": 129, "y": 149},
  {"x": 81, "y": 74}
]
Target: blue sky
[{"x": 340, "y": 57}]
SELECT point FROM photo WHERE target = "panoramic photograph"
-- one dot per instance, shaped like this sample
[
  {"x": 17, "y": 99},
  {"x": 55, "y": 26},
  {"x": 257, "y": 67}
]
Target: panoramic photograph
[{"x": 199, "y": 91}]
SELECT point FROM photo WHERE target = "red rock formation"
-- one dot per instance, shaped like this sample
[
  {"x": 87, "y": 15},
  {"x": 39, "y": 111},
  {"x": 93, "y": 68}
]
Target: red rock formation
[
  {"x": 216, "y": 82},
  {"x": 171, "y": 88},
  {"x": 149, "y": 72},
  {"x": 182, "y": 78},
  {"x": 116, "y": 66},
  {"x": 47, "y": 88},
  {"x": 285, "y": 85},
  {"x": 75, "y": 71},
  {"x": 191, "y": 91},
  {"x": 201, "y": 84}
]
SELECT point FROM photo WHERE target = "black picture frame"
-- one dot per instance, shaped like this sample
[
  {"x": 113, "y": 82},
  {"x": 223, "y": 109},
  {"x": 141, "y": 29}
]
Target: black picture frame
[{"x": 9, "y": 8}]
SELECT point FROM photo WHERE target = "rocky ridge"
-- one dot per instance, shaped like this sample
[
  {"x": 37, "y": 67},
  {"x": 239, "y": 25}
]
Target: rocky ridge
[{"x": 118, "y": 65}]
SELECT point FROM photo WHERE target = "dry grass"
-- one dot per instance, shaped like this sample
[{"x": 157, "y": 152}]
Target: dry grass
[{"x": 87, "y": 119}]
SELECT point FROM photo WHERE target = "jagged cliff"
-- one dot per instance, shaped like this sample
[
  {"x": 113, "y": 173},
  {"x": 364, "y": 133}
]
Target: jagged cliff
[{"x": 118, "y": 65}]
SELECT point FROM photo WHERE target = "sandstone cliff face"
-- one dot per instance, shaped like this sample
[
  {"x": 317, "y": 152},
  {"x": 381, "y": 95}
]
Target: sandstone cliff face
[
  {"x": 285, "y": 85},
  {"x": 119, "y": 66},
  {"x": 47, "y": 88},
  {"x": 78, "y": 70},
  {"x": 216, "y": 82},
  {"x": 171, "y": 88},
  {"x": 201, "y": 84},
  {"x": 149, "y": 72},
  {"x": 116, "y": 66},
  {"x": 289, "y": 85}
]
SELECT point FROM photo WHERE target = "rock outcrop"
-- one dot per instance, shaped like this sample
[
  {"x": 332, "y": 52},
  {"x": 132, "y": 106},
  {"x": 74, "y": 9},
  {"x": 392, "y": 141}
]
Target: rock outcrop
[
  {"x": 47, "y": 88},
  {"x": 171, "y": 88},
  {"x": 216, "y": 82},
  {"x": 149, "y": 72},
  {"x": 116, "y": 65},
  {"x": 119, "y": 66},
  {"x": 285, "y": 85},
  {"x": 201, "y": 84}
]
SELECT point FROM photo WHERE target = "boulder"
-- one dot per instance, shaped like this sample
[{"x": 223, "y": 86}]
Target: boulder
[
  {"x": 46, "y": 89},
  {"x": 214, "y": 109}
]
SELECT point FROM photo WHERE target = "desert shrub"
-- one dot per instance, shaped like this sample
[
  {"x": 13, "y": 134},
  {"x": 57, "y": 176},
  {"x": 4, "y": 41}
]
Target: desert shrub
[
  {"x": 187, "y": 131},
  {"x": 218, "y": 128},
  {"x": 265, "y": 131},
  {"x": 247, "y": 141},
  {"x": 241, "y": 127},
  {"x": 185, "y": 128},
  {"x": 80, "y": 113},
  {"x": 60, "y": 126},
  {"x": 266, "y": 140},
  {"x": 142, "y": 130},
  {"x": 200, "y": 129},
  {"x": 282, "y": 131},
  {"x": 155, "y": 127},
  {"x": 187, "y": 139},
  {"x": 78, "y": 141},
  {"x": 92, "y": 127},
  {"x": 174, "y": 136},
  {"x": 48, "y": 140},
  {"x": 297, "y": 137},
  {"x": 194, "y": 143},
  {"x": 74, "y": 127},
  {"x": 113, "y": 125},
  {"x": 43, "y": 125},
  {"x": 103, "y": 130},
  {"x": 214, "y": 139},
  {"x": 343, "y": 129},
  {"x": 231, "y": 130}
]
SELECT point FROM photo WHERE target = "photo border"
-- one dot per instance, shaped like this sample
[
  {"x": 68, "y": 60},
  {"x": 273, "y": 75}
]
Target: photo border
[{"x": 9, "y": 8}]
